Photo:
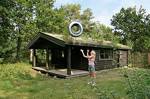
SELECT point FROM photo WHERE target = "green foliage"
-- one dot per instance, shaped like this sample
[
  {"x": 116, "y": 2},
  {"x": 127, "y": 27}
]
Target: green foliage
[
  {"x": 17, "y": 82},
  {"x": 20, "y": 20},
  {"x": 138, "y": 83},
  {"x": 15, "y": 71},
  {"x": 44, "y": 15},
  {"x": 88, "y": 24},
  {"x": 72, "y": 12},
  {"x": 6, "y": 33},
  {"x": 102, "y": 32},
  {"x": 138, "y": 59},
  {"x": 133, "y": 26}
]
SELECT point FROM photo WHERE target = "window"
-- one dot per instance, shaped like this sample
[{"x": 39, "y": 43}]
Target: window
[{"x": 105, "y": 54}]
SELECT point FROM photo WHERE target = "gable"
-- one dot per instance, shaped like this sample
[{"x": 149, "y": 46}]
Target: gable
[{"x": 42, "y": 41}]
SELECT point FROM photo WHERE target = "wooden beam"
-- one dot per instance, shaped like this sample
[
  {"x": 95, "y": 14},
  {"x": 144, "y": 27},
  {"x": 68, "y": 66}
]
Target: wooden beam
[
  {"x": 47, "y": 59},
  {"x": 34, "y": 58},
  {"x": 69, "y": 61}
]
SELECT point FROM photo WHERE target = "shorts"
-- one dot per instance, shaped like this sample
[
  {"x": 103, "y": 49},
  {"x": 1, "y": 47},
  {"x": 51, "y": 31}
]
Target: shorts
[{"x": 91, "y": 68}]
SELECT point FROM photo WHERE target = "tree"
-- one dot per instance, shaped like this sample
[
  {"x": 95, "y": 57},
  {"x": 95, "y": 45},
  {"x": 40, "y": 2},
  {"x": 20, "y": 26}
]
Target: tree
[
  {"x": 30, "y": 17},
  {"x": 22, "y": 17},
  {"x": 6, "y": 27},
  {"x": 102, "y": 32},
  {"x": 44, "y": 14},
  {"x": 20, "y": 20},
  {"x": 65, "y": 15},
  {"x": 87, "y": 22},
  {"x": 133, "y": 25},
  {"x": 72, "y": 12}
]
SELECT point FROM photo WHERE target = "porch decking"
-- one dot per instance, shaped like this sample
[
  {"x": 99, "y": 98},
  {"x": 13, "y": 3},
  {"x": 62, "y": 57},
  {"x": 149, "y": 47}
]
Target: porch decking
[{"x": 62, "y": 73}]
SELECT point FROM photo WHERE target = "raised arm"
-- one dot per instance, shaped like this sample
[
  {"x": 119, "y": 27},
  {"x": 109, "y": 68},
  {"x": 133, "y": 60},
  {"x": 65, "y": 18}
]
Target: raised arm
[
  {"x": 88, "y": 56},
  {"x": 83, "y": 54}
]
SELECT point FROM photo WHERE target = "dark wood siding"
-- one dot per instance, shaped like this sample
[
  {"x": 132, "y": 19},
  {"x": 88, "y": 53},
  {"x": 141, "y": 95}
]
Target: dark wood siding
[
  {"x": 123, "y": 59},
  {"x": 103, "y": 63},
  {"x": 115, "y": 59},
  {"x": 77, "y": 60}
]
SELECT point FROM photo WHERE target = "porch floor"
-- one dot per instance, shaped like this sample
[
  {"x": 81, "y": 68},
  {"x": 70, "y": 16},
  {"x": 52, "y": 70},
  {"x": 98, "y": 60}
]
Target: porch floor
[{"x": 62, "y": 73}]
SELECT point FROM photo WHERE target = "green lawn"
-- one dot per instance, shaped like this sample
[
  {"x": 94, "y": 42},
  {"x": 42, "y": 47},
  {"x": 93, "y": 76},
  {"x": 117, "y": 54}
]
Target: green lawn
[{"x": 18, "y": 81}]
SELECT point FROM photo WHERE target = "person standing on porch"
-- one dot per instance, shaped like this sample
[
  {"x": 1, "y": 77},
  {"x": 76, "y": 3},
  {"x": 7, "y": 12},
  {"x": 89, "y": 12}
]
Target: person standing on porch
[{"x": 91, "y": 62}]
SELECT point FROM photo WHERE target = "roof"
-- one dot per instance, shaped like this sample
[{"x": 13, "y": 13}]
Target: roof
[{"x": 61, "y": 41}]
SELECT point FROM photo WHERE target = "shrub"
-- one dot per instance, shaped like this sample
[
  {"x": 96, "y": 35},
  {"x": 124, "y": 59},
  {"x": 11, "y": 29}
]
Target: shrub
[
  {"x": 137, "y": 81},
  {"x": 15, "y": 71}
]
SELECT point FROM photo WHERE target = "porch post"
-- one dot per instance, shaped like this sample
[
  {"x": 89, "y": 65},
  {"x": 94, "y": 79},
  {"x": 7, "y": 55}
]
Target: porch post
[
  {"x": 31, "y": 55},
  {"x": 47, "y": 58},
  {"x": 69, "y": 61},
  {"x": 34, "y": 58},
  {"x": 127, "y": 57}
]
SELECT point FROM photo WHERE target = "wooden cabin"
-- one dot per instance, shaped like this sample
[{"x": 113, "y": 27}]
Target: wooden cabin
[{"x": 63, "y": 56}]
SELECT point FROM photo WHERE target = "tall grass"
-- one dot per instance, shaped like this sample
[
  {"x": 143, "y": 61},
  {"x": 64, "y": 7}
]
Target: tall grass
[
  {"x": 19, "y": 81},
  {"x": 138, "y": 82},
  {"x": 15, "y": 71}
]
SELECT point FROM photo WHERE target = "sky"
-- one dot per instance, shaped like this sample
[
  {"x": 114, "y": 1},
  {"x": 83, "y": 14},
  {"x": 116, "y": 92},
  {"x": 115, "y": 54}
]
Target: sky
[{"x": 103, "y": 10}]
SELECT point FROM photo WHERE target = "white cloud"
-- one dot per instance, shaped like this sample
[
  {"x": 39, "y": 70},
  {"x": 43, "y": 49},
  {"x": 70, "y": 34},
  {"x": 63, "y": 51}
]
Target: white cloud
[{"x": 103, "y": 19}]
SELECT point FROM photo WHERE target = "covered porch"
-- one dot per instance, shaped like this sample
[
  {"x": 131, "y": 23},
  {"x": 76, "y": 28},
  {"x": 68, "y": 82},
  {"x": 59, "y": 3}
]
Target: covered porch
[
  {"x": 61, "y": 73},
  {"x": 58, "y": 57}
]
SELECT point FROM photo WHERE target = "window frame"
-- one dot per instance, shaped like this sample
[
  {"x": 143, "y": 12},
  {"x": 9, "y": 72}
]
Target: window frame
[{"x": 107, "y": 54}]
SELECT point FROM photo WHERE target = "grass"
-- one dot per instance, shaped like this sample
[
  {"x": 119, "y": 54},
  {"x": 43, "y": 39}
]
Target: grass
[{"x": 19, "y": 81}]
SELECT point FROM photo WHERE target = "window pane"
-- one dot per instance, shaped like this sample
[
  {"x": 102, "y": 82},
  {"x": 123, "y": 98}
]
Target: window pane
[
  {"x": 105, "y": 54},
  {"x": 102, "y": 51},
  {"x": 102, "y": 56}
]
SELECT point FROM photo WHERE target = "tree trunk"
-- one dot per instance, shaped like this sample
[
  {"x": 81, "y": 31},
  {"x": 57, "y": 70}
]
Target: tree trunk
[
  {"x": 148, "y": 58},
  {"x": 18, "y": 49}
]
